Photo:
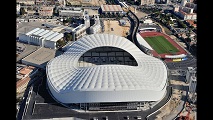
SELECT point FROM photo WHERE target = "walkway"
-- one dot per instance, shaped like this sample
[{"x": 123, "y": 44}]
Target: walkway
[{"x": 178, "y": 109}]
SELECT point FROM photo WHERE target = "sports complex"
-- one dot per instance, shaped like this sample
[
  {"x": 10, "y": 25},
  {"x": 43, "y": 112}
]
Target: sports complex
[
  {"x": 106, "y": 72},
  {"x": 161, "y": 45}
]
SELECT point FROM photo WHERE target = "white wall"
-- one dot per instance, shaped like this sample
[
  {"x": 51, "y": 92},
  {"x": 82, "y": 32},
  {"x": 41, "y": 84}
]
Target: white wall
[
  {"x": 107, "y": 96},
  {"x": 50, "y": 44}
]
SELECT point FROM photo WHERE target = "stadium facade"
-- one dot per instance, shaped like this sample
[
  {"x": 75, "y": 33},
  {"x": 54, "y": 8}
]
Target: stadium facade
[{"x": 110, "y": 84}]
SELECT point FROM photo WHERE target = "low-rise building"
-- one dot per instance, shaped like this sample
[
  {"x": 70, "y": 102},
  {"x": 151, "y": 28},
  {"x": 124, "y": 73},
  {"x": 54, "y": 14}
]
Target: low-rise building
[
  {"x": 112, "y": 9},
  {"x": 23, "y": 77},
  {"x": 18, "y": 9},
  {"x": 79, "y": 32},
  {"x": 41, "y": 57},
  {"x": 96, "y": 28},
  {"x": 41, "y": 37},
  {"x": 71, "y": 12},
  {"x": 26, "y": 2},
  {"x": 46, "y": 11},
  {"x": 189, "y": 73},
  {"x": 187, "y": 16},
  {"x": 122, "y": 22},
  {"x": 147, "y": 2},
  {"x": 193, "y": 84},
  {"x": 147, "y": 21}
]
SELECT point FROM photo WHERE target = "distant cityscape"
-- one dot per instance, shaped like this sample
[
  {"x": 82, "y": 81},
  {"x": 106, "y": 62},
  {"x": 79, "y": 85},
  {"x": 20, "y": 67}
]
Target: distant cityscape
[{"x": 106, "y": 59}]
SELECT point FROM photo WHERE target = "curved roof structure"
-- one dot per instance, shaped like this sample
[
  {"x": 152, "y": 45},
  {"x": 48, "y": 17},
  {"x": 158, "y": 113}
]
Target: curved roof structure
[{"x": 70, "y": 83}]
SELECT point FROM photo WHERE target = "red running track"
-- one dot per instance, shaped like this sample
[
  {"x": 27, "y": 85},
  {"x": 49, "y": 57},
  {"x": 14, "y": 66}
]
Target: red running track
[{"x": 153, "y": 33}]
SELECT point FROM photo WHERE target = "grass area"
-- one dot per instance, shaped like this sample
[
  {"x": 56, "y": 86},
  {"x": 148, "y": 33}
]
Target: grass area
[
  {"x": 167, "y": 31},
  {"x": 161, "y": 45}
]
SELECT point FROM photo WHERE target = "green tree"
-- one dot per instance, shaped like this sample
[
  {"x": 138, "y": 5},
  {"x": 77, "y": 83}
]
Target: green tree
[
  {"x": 22, "y": 11},
  {"x": 55, "y": 12},
  {"x": 60, "y": 43},
  {"x": 68, "y": 37},
  {"x": 29, "y": 8}
]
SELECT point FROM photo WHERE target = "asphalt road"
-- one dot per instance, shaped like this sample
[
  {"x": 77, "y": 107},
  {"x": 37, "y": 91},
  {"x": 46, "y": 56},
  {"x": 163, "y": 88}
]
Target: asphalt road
[{"x": 42, "y": 106}]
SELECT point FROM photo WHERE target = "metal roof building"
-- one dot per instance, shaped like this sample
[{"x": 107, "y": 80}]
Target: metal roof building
[
  {"x": 41, "y": 37},
  {"x": 70, "y": 83},
  {"x": 111, "y": 9}
]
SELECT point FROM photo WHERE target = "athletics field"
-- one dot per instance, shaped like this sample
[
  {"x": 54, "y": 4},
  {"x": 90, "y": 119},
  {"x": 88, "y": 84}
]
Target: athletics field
[{"x": 161, "y": 45}]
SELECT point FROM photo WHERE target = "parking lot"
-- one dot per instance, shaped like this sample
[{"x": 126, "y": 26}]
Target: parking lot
[
  {"x": 113, "y": 27},
  {"x": 24, "y": 27}
]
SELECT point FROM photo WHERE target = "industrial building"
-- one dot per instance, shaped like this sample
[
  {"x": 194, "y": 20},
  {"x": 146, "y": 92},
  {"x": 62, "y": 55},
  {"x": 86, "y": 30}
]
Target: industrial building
[
  {"x": 106, "y": 72},
  {"x": 112, "y": 9},
  {"x": 41, "y": 37}
]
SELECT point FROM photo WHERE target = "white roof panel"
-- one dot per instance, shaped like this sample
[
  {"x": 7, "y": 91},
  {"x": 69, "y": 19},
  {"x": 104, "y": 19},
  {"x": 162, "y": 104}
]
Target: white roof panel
[
  {"x": 39, "y": 31},
  {"x": 51, "y": 36},
  {"x": 142, "y": 41},
  {"x": 57, "y": 37},
  {"x": 32, "y": 31},
  {"x": 45, "y": 32},
  {"x": 65, "y": 77},
  {"x": 48, "y": 34}
]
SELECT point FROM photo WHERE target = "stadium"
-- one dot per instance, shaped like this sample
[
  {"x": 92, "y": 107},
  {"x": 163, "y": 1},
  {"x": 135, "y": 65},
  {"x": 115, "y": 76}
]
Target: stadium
[
  {"x": 161, "y": 46},
  {"x": 106, "y": 72}
]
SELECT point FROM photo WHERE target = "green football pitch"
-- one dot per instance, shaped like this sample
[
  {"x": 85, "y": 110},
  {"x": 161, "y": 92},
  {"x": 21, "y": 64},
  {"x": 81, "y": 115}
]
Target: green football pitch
[{"x": 161, "y": 45}]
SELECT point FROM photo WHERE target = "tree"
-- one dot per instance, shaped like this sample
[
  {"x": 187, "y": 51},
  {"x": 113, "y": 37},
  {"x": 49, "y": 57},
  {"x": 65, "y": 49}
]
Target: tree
[
  {"x": 68, "y": 37},
  {"x": 188, "y": 40},
  {"x": 55, "y": 12},
  {"x": 29, "y": 8},
  {"x": 60, "y": 43},
  {"x": 22, "y": 11}
]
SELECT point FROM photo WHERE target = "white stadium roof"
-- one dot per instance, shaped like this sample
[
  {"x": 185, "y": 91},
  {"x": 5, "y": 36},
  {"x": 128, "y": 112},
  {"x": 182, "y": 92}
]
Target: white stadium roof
[
  {"x": 142, "y": 41},
  {"x": 70, "y": 83}
]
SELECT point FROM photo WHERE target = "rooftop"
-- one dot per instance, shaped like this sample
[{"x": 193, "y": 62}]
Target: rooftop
[
  {"x": 41, "y": 56},
  {"x": 49, "y": 35},
  {"x": 111, "y": 8}
]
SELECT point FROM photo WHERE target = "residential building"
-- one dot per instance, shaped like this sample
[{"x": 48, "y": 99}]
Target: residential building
[
  {"x": 26, "y": 2},
  {"x": 187, "y": 16},
  {"x": 176, "y": 8},
  {"x": 147, "y": 2},
  {"x": 71, "y": 12},
  {"x": 23, "y": 77},
  {"x": 18, "y": 9},
  {"x": 193, "y": 84},
  {"x": 189, "y": 73},
  {"x": 183, "y": 2}
]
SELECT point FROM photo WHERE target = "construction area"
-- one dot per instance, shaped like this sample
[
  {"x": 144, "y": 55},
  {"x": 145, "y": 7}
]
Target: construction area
[
  {"x": 114, "y": 27},
  {"x": 87, "y": 2},
  {"x": 176, "y": 103}
]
